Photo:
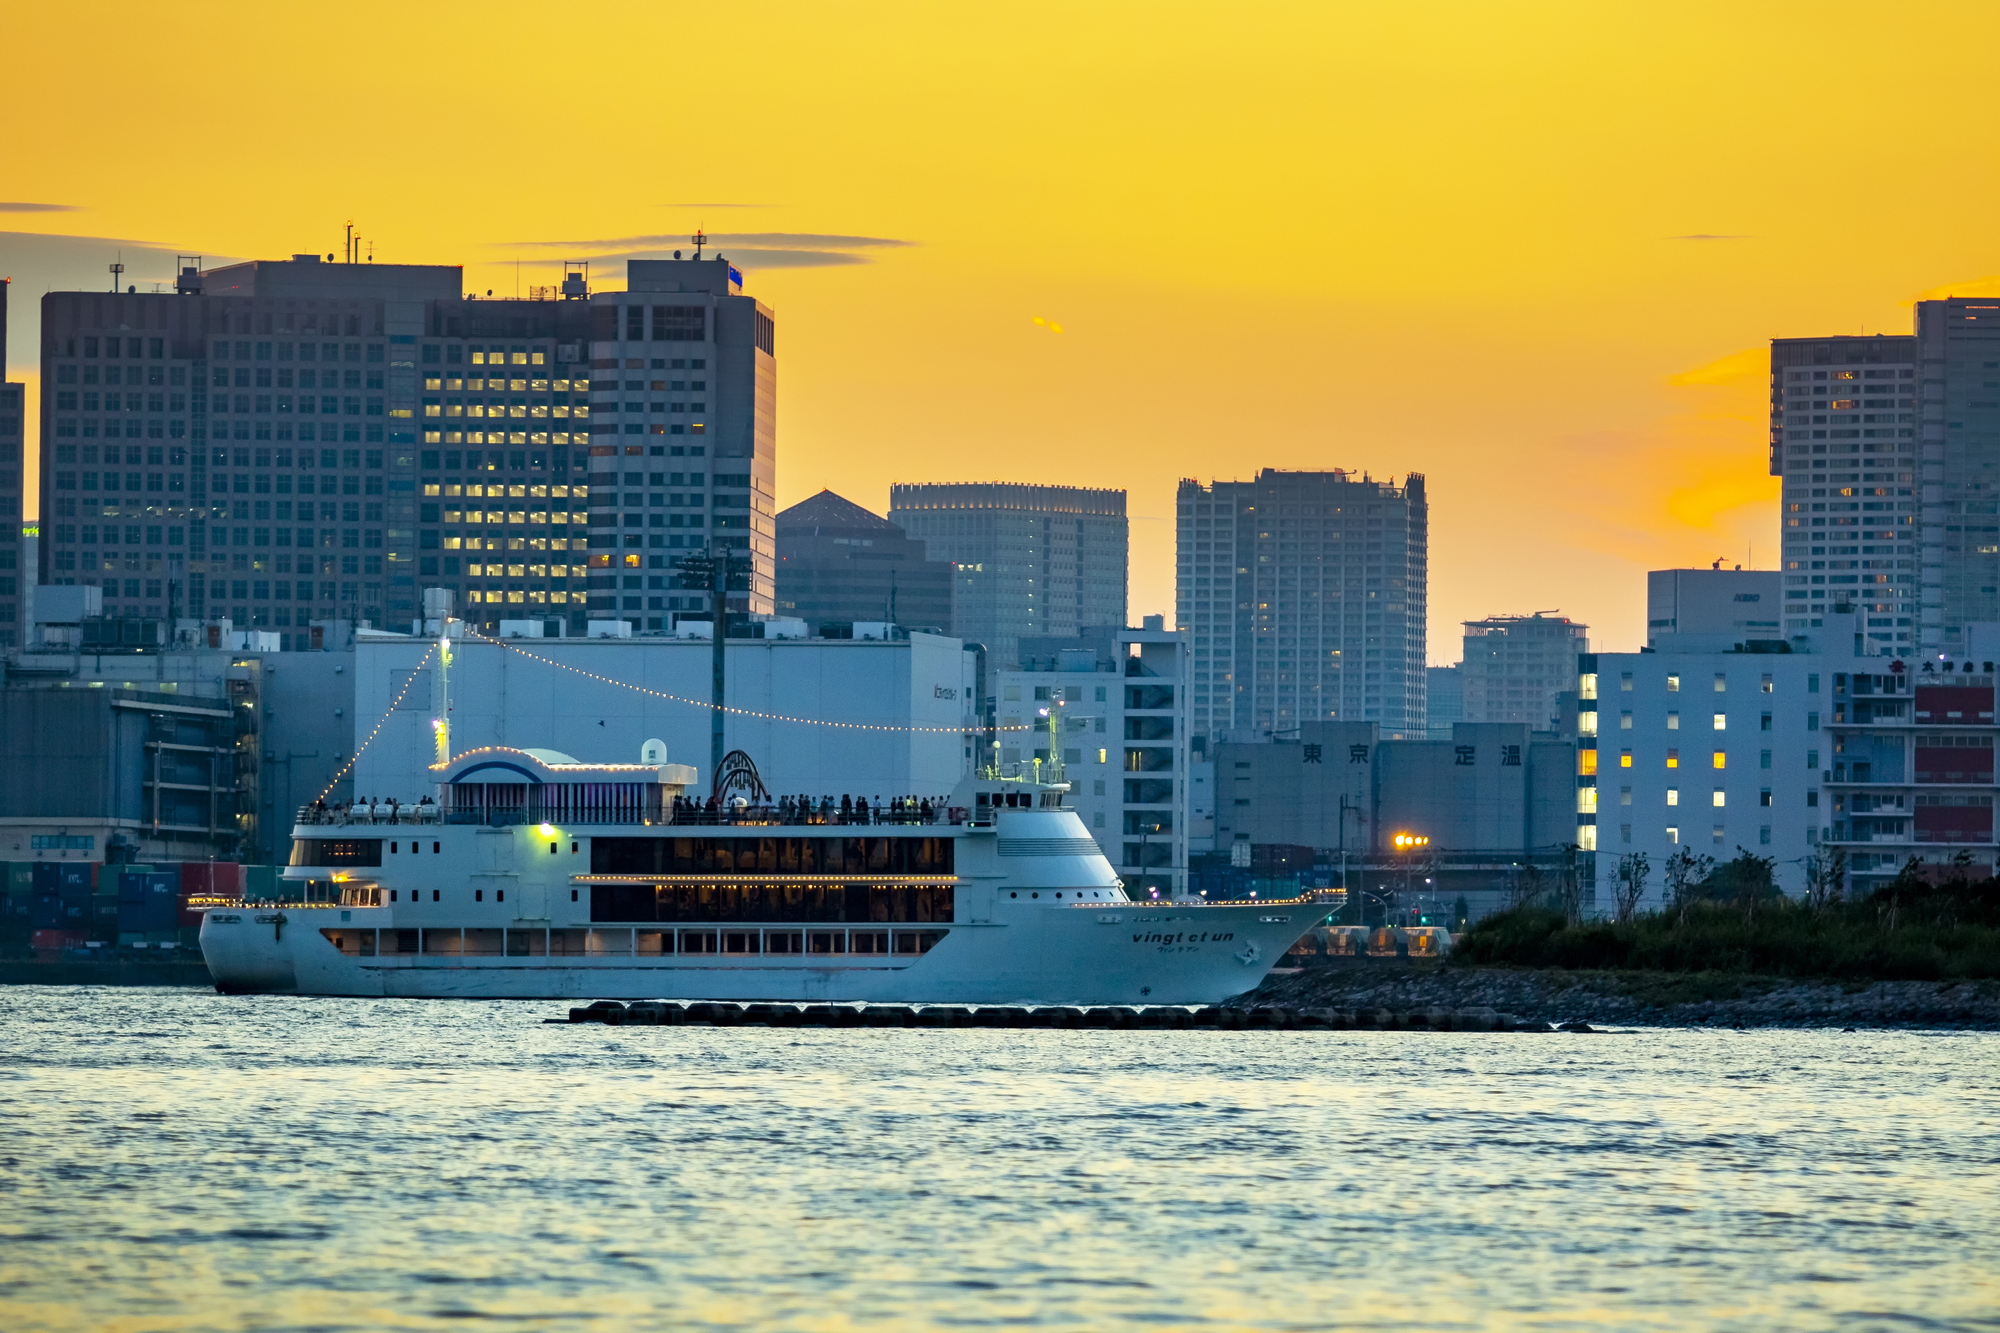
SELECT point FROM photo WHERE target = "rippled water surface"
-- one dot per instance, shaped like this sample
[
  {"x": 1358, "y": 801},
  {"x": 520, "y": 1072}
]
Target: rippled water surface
[{"x": 181, "y": 1160}]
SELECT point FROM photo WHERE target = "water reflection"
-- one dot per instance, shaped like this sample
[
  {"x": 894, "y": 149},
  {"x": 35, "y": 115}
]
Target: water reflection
[{"x": 183, "y": 1160}]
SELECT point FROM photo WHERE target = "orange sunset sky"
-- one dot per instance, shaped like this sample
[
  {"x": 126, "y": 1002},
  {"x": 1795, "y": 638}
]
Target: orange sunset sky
[{"x": 1533, "y": 251}]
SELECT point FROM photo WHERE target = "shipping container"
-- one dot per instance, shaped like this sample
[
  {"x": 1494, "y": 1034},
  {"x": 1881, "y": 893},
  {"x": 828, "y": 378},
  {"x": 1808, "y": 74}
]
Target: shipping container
[
  {"x": 147, "y": 899},
  {"x": 260, "y": 883},
  {"x": 45, "y": 911}
]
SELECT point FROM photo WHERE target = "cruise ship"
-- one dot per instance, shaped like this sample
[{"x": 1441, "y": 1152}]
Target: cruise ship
[{"x": 532, "y": 875}]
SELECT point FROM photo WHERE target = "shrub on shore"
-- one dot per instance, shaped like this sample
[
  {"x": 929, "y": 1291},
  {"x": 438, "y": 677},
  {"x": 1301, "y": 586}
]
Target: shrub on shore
[{"x": 1913, "y": 929}]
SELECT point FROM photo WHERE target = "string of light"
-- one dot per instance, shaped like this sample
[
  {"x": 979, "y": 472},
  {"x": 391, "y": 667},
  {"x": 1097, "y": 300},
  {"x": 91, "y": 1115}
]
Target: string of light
[
  {"x": 380, "y": 722},
  {"x": 739, "y": 712}
]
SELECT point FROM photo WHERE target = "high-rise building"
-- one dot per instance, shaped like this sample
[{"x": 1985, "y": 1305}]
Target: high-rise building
[
  {"x": 1843, "y": 437},
  {"x": 1305, "y": 595},
  {"x": 301, "y": 442},
  {"x": 1043, "y": 561},
  {"x": 838, "y": 563},
  {"x": 14, "y": 597},
  {"x": 1958, "y": 346},
  {"x": 1515, "y": 666}
]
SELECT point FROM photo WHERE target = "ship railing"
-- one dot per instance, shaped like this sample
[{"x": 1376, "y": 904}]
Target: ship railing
[
  {"x": 827, "y": 813},
  {"x": 789, "y": 815},
  {"x": 384, "y": 812}
]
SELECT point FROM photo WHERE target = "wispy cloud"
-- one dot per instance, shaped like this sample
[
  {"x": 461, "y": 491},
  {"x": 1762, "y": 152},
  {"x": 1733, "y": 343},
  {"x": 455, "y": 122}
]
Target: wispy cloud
[
  {"x": 1711, "y": 236},
  {"x": 1982, "y": 287},
  {"x": 789, "y": 240},
  {"x": 23, "y": 206}
]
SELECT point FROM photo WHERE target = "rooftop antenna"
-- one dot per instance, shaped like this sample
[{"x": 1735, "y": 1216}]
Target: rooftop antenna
[
  {"x": 117, "y": 270},
  {"x": 699, "y": 241}
]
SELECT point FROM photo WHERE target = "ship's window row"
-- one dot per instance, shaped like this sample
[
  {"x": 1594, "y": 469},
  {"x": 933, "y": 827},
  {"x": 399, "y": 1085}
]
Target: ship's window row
[
  {"x": 771, "y": 902},
  {"x": 494, "y": 942},
  {"x": 780, "y": 856}
]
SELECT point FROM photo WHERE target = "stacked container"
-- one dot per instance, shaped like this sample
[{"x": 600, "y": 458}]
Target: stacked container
[{"x": 148, "y": 905}]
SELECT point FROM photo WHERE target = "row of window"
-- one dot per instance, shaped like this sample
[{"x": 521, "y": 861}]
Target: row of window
[{"x": 155, "y": 428}]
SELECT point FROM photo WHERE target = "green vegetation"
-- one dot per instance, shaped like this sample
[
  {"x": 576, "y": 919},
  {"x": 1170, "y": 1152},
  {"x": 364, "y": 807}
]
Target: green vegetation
[{"x": 1731, "y": 918}]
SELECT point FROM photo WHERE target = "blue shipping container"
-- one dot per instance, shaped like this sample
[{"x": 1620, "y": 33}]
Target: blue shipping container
[{"x": 46, "y": 912}]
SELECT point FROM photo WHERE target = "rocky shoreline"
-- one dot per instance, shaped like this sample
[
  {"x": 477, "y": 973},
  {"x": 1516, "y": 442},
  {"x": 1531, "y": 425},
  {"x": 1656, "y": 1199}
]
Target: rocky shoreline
[{"x": 1654, "y": 999}]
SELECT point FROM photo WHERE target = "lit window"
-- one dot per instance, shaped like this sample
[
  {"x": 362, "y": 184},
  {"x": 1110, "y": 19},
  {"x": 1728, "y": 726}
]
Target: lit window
[
  {"x": 1586, "y": 838},
  {"x": 1673, "y": 721},
  {"x": 1673, "y": 796},
  {"x": 1586, "y": 762},
  {"x": 1624, "y": 759},
  {"x": 1673, "y": 684},
  {"x": 1720, "y": 761},
  {"x": 1673, "y": 834},
  {"x": 1625, "y": 720},
  {"x": 1673, "y": 759},
  {"x": 1722, "y": 721},
  {"x": 1719, "y": 800}
]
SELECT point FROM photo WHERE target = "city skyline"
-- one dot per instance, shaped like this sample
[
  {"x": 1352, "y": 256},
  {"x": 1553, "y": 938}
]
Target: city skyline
[{"x": 1593, "y": 440}]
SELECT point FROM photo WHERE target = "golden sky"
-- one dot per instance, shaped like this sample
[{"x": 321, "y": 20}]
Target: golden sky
[{"x": 1533, "y": 251}]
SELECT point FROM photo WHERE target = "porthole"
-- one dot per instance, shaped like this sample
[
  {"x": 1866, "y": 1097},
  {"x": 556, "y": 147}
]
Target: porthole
[
  {"x": 1034, "y": 895},
  {"x": 392, "y": 849},
  {"x": 1013, "y": 895}
]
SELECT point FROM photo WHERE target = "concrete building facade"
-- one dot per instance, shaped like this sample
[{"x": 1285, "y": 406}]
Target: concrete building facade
[
  {"x": 1725, "y": 606},
  {"x": 1305, "y": 597},
  {"x": 1122, "y": 699},
  {"x": 1031, "y": 561},
  {"x": 1514, "y": 667},
  {"x": 438, "y": 437},
  {"x": 182, "y": 754},
  {"x": 900, "y": 708},
  {"x": 1493, "y": 800},
  {"x": 839, "y": 563}
]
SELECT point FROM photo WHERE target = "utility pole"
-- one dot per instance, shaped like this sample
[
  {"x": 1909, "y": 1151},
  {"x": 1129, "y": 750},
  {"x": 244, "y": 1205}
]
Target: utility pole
[{"x": 713, "y": 568}]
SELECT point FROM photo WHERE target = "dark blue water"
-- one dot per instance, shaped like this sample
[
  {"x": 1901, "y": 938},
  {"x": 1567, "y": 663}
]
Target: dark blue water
[{"x": 179, "y": 1160}]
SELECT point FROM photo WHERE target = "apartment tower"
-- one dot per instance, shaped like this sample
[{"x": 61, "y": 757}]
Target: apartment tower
[
  {"x": 1844, "y": 439},
  {"x": 1515, "y": 666},
  {"x": 1305, "y": 596}
]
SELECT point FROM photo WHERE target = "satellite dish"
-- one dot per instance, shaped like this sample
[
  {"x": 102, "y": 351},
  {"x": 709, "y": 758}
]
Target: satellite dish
[{"x": 653, "y": 752}]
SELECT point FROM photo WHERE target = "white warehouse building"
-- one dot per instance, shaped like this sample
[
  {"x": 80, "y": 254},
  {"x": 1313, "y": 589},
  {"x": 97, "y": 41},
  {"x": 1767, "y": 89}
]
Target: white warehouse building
[{"x": 907, "y": 705}]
